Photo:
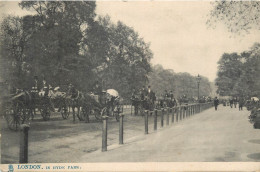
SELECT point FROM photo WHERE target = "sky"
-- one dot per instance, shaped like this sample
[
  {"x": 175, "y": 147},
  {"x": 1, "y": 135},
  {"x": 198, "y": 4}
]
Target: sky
[{"x": 177, "y": 32}]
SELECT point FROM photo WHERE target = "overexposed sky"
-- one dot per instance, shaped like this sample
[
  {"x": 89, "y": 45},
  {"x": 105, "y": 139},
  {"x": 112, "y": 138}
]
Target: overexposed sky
[{"x": 177, "y": 31}]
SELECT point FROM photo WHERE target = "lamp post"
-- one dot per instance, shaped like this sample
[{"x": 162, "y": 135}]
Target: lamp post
[{"x": 198, "y": 81}]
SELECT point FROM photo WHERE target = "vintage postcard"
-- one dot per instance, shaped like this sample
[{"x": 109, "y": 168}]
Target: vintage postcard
[{"x": 129, "y": 86}]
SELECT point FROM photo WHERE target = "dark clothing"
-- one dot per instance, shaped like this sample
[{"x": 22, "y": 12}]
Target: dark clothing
[
  {"x": 171, "y": 96},
  {"x": 240, "y": 104},
  {"x": 73, "y": 92},
  {"x": 231, "y": 103},
  {"x": 97, "y": 89},
  {"x": 166, "y": 96},
  {"x": 45, "y": 88},
  {"x": 36, "y": 86},
  {"x": 235, "y": 103},
  {"x": 216, "y": 103}
]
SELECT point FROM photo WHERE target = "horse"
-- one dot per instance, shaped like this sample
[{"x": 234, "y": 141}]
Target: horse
[{"x": 76, "y": 100}]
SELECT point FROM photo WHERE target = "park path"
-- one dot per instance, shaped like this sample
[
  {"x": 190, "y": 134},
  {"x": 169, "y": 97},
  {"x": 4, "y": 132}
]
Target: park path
[{"x": 223, "y": 135}]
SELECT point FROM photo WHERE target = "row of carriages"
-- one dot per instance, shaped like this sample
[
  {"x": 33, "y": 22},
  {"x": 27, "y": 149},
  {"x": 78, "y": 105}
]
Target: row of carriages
[{"x": 21, "y": 107}]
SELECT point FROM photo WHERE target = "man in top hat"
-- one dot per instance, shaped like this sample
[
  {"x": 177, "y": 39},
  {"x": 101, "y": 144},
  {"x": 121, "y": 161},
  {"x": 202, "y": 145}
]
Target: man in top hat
[
  {"x": 45, "y": 87},
  {"x": 35, "y": 87}
]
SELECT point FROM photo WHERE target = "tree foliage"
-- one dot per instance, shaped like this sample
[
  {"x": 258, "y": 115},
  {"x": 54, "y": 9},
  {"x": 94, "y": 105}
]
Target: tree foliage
[
  {"x": 238, "y": 74},
  {"x": 238, "y": 16},
  {"x": 65, "y": 42},
  {"x": 181, "y": 84}
]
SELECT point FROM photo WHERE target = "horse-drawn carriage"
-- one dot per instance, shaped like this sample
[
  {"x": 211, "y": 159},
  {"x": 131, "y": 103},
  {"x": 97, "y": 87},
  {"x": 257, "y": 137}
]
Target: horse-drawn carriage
[
  {"x": 142, "y": 103},
  {"x": 89, "y": 104},
  {"x": 106, "y": 104},
  {"x": 22, "y": 105},
  {"x": 49, "y": 103}
]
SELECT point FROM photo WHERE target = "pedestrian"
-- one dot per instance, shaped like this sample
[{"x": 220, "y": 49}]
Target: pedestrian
[
  {"x": 231, "y": 101},
  {"x": 134, "y": 99},
  {"x": 235, "y": 102},
  {"x": 216, "y": 103},
  {"x": 240, "y": 103}
]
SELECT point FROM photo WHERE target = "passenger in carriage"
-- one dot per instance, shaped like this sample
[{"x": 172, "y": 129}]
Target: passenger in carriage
[
  {"x": 166, "y": 95},
  {"x": 45, "y": 87},
  {"x": 36, "y": 87},
  {"x": 171, "y": 95},
  {"x": 72, "y": 91}
]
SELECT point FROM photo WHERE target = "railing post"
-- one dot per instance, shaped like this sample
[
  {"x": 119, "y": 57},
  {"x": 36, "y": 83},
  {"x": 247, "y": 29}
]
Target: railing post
[
  {"x": 177, "y": 113},
  {"x": 121, "y": 129},
  {"x": 162, "y": 116},
  {"x": 24, "y": 134},
  {"x": 104, "y": 133},
  {"x": 185, "y": 112},
  {"x": 173, "y": 111},
  {"x": 146, "y": 122},
  {"x": 180, "y": 110},
  {"x": 155, "y": 119},
  {"x": 188, "y": 111},
  {"x": 167, "y": 116}
]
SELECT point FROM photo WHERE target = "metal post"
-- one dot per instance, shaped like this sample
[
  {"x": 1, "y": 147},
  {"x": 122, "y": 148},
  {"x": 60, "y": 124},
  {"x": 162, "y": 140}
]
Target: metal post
[
  {"x": 184, "y": 112},
  {"x": 181, "y": 109},
  {"x": 162, "y": 116},
  {"x": 104, "y": 133},
  {"x": 177, "y": 113},
  {"x": 188, "y": 111},
  {"x": 167, "y": 116},
  {"x": 173, "y": 109},
  {"x": 146, "y": 122},
  {"x": 121, "y": 129},
  {"x": 155, "y": 119},
  {"x": 131, "y": 108},
  {"x": 24, "y": 143}
]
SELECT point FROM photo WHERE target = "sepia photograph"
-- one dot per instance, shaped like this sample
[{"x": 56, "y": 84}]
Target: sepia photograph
[{"x": 129, "y": 82}]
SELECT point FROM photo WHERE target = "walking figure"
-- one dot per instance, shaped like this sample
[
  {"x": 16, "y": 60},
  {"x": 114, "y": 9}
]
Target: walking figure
[
  {"x": 235, "y": 102},
  {"x": 240, "y": 103},
  {"x": 231, "y": 101},
  {"x": 216, "y": 103}
]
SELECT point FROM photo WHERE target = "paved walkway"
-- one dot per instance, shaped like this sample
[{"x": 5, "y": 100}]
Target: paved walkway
[{"x": 223, "y": 135}]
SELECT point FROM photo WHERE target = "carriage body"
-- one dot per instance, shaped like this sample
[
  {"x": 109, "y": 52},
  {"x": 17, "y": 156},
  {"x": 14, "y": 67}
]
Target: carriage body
[{"x": 106, "y": 104}]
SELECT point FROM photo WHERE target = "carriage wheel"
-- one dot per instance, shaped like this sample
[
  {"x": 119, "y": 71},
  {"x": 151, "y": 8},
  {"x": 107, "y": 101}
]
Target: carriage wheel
[
  {"x": 81, "y": 114},
  {"x": 65, "y": 112},
  {"x": 104, "y": 112},
  {"x": 141, "y": 110},
  {"x": 25, "y": 115},
  {"x": 97, "y": 113},
  {"x": 12, "y": 117},
  {"x": 46, "y": 113}
]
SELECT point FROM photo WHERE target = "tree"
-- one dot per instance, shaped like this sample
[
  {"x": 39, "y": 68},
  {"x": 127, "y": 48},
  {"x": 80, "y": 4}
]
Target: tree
[
  {"x": 120, "y": 58},
  {"x": 229, "y": 71},
  {"x": 14, "y": 63},
  {"x": 181, "y": 84},
  {"x": 238, "y": 16},
  {"x": 238, "y": 75},
  {"x": 52, "y": 49}
]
